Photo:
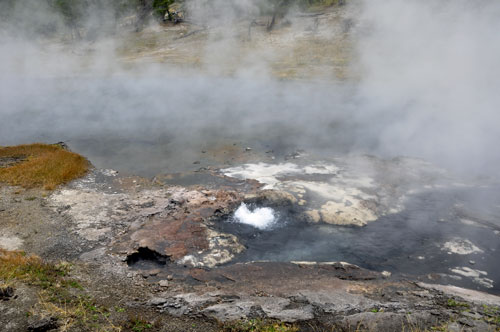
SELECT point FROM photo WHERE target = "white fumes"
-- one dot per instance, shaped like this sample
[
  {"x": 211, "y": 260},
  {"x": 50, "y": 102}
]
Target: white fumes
[
  {"x": 261, "y": 218},
  {"x": 426, "y": 85},
  {"x": 429, "y": 80}
]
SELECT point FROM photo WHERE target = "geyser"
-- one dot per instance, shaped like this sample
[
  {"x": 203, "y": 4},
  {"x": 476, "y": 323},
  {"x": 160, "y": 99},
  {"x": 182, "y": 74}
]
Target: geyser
[{"x": 259, "y": 217}]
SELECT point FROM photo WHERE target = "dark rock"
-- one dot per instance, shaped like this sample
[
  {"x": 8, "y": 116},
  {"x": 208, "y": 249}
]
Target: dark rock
[
  {"x": 45, "y": 324},
  {"x": 10, "y": 161},
  {"x": 62, "y": 145},
  {"x": 63, "y": 208},
  {"x": 147, "y": 204},
  {"x": 6, "y": 293},
  {"x": 465, "y": 322}
]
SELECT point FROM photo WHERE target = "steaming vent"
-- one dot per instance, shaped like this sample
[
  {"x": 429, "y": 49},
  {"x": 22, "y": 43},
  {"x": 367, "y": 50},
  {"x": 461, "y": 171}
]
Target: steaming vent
[{"x": 259, "y": 217}]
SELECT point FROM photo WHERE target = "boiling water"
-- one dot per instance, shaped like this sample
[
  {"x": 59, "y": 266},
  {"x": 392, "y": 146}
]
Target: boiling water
[
  {"x": 430, "y": 239},
  {"x": 161, "y": 124},
  {"x": 260, "y": 217}
]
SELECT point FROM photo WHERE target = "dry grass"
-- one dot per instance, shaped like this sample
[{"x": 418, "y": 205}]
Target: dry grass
[
  {"x": 59, "y": 296},
  {"x": 16, "y": 265},
  {"x": 45, "y": 166},
  {"x": 258, "y": 325}
]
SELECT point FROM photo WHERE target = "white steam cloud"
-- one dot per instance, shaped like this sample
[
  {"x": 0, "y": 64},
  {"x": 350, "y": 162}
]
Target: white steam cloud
[
  {"x": 426, "y": 84},
  {"x": 430, "y": 80}
]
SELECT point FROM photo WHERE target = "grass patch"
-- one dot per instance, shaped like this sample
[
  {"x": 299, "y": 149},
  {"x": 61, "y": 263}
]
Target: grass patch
[
  {"x": 315, "y": 5},
  {"x": 43, "y": 165},
  {"x": 16, "y": 265},
  {"x": 493, "y": 314},
  {"x": 455, "y": 304},
  {"x": 59, "y": 296},
  {"x": 138, "y": 324},
  {"x": 259, "y": 325}
]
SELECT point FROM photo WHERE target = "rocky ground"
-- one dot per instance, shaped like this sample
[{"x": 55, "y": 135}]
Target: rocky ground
[
  {"x": 151, "y": 250},
  {"x": 148, "y": 255}
]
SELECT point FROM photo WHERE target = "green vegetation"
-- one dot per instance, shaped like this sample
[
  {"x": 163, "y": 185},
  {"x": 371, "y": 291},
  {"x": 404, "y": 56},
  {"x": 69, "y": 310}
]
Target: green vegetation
[
  {"x": 258, "y": 325},
  {"x": 303, "y": 4},
  {"x": 41, "y": 165},
  {"x": 161, "y": 7},
  {"x": 101, "y": 16},
  {"x": 320, "y": 3},
  {"x": 16, "y": 265},
  {"x": 138, "y": 324},
  {"x": 455, "y": 304},
  {"x": 492, "y": 313},
  {"x": 59, "y": 295}
]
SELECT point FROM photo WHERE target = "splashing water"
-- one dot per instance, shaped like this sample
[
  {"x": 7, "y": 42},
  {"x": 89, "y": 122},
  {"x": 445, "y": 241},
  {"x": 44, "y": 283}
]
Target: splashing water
[{"x": 260, "y": 218}]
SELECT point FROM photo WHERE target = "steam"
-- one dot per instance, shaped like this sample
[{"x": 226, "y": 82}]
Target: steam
[
  {"x": 424, "y": 83},
  {"x": 430, "y": 78},
  {"x": 261, "y": 218}
]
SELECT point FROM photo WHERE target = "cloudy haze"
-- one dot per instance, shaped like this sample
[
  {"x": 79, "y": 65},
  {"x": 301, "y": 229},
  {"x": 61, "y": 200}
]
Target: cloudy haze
[{"x": 424, "y": 83}]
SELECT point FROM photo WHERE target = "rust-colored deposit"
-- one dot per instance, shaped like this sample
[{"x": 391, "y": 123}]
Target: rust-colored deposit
[
  {"x": 181, "y": 229},
  {"x": 40, "y": 165},
  {"x": 173, "y": 238}
]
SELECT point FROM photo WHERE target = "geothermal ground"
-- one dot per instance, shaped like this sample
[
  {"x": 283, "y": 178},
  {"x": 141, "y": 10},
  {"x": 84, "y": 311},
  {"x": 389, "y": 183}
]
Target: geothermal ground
[
  {"x": 231, "y": 249},
  {"x": 244, "y": 211}
]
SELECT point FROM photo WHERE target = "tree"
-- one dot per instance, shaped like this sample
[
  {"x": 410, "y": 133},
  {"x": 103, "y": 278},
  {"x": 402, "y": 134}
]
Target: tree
[
  {"x": 162, "y": 7},
  {"x": 280, "y": 9}
]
